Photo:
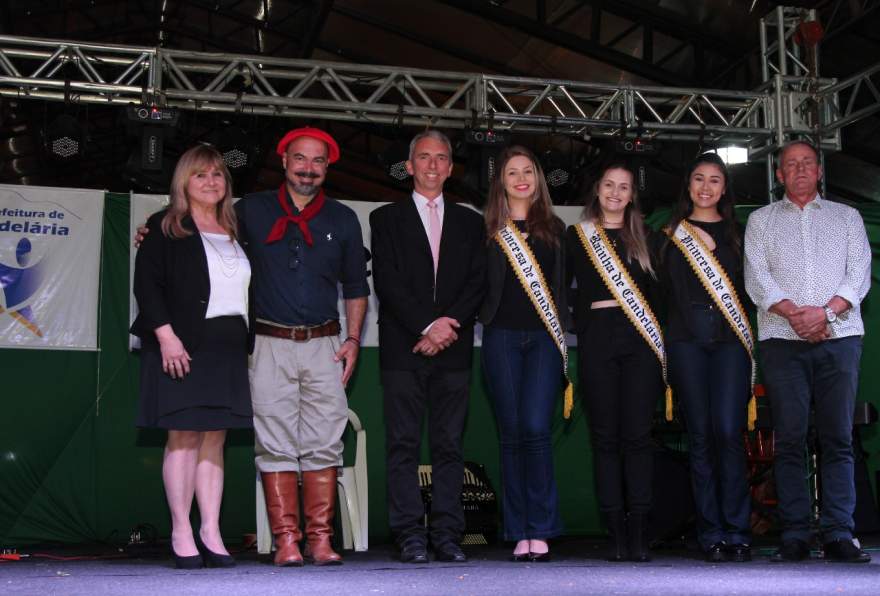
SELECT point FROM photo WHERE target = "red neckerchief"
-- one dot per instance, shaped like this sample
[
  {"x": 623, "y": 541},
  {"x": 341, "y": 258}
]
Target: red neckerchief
[{"x": 302, "y": 220}]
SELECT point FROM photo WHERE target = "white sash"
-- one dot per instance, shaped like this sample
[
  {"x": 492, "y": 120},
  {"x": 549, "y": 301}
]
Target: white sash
[
  {"x": 626, "y": 293},
  {"x": 714, "y": 278},
  {"x": 528, "y": 271}
]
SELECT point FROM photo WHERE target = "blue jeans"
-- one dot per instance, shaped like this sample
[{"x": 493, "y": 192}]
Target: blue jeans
[
  {"x": 524, "y": 372},
  {"x": 827, "y": 373},
  {"x": 711, "y": 381}
]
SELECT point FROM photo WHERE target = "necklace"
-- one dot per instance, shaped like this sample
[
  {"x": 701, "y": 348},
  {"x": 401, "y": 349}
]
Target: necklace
[
  {"x": 228, "y": 264},
  {"x": 613, "y": 240}
]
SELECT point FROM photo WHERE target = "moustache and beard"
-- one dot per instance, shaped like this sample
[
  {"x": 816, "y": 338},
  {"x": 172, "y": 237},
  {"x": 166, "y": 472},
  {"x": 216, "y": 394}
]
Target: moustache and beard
[{"x": 306, "y": 189}]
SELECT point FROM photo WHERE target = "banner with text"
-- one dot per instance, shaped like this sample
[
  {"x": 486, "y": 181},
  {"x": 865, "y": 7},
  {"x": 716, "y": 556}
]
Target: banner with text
[{"x": 50, "y": 254}]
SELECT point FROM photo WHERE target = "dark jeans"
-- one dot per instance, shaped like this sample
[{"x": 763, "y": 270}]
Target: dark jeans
[
  {"x": 524, "y": 372},
  {"x": 408, "y": 395},
  {"x": 621, "y": 382},
  {"x": 710, "y": 379},
  {"x": 827, "y": 373}
]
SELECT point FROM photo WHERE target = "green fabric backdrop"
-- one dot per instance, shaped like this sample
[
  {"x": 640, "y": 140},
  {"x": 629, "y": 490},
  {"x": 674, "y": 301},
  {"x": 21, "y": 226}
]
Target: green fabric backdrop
[{"x": 74, "y": 469}]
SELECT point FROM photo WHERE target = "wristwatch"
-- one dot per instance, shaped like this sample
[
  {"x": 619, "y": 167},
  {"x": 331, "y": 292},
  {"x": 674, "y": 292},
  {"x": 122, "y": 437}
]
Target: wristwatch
[{"x": 830, "y": 315}]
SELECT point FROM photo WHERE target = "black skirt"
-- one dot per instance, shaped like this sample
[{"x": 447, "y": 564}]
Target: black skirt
[{"x": 215, "y": 395}]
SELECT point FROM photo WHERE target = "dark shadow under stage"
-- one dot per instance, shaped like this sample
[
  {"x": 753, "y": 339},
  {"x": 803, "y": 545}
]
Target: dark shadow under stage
[{"x": 577, "y": 568}]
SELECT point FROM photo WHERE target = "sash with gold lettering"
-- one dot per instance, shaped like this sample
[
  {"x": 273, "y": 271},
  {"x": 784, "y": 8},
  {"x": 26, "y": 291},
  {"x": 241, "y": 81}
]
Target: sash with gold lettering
[
  {"x": 529, "y": 273},
  {"x": 714, "y": 278},
  {"x": 625, "y": 291}
]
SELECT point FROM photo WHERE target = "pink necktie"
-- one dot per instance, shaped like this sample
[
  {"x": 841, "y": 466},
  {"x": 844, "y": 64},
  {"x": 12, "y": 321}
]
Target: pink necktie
[{"x": 434, "y": 232}]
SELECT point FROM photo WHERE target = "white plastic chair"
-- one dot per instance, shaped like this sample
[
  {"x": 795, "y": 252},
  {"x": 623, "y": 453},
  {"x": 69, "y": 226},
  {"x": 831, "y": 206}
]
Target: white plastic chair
[{"x": 352, "y": 490}]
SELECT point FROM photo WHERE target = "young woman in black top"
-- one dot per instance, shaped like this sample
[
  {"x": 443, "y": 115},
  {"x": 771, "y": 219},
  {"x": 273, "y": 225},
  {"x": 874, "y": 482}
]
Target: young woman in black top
[
  {"x": 522, "y": 364},
  {"x": 709, "y": 367},
  {"x": 619, "y": 373}
]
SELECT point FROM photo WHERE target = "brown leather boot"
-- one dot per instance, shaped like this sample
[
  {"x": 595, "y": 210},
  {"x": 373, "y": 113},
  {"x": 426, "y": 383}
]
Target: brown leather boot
[
  {"x": 319, "y": 501},
  {"x": 282, "y": 504}
]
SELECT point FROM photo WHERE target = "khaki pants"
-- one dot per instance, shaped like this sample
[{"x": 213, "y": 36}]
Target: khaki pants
[{"x": 300, "y": 406}]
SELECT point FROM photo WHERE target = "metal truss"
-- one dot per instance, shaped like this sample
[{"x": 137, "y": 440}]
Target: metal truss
[
  {"x": 113, "y": 74},
  {"x": 106, "y": 74}
]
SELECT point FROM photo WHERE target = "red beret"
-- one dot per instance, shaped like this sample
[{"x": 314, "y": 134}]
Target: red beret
[{"x": 315, "y": 133}]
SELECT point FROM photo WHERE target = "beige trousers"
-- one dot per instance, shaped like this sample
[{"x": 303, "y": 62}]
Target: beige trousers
[{"x": 300, "y": 406}]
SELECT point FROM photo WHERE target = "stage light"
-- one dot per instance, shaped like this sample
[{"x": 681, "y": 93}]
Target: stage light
[
  {"x": 638, "y": 146},
  {"x": 394, "y": 160},
  {"x": 238, "y": 148},
  {"x": 64, "y": 138},
  {"x": 557, "y": 168},
  {"x": 732, "y": 154},
  {"x": 154, "y": 125},
  {"x": 235, "y": 158}
]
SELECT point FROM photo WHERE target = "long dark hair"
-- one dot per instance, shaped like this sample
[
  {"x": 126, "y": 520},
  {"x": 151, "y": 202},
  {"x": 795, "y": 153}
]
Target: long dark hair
[
  {"x": 685, "y": 206},
  {"x": 541, "y": 221},
  {"x": 633, "y": 234}
]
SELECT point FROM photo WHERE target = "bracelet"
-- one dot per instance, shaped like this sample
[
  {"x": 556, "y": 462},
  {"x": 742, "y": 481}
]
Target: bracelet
[{"x": 352, "y": 338}]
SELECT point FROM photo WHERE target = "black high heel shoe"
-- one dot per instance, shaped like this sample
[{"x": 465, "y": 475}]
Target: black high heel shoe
[
  {"x": 539, "y": 557},
  {"x": 211, "y": 558},
  {"x": 191, "y": 562}
]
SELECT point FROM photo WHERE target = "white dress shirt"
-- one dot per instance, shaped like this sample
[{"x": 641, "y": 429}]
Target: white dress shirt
[
  {"x": 808, "y": 256},
  {"x": 421, "y": 202}
]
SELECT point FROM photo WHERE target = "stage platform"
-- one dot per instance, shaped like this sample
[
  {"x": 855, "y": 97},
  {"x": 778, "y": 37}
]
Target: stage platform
[{"x": 577, "y": 568}]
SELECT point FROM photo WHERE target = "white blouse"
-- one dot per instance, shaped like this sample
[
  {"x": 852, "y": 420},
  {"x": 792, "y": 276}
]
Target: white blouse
[{"x": 230, "y": 273}]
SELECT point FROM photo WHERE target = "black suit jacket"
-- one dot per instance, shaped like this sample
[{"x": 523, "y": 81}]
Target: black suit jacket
[
  {"x": 403, "y": 277},
  {"x": 171, "y": 285}
]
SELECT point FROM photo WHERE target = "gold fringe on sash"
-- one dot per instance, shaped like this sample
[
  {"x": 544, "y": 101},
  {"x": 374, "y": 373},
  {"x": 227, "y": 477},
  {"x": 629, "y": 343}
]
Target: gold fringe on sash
[
  {"x": 568, "y": 396},
  {"x": 568, "y": 401},
  {"x": 752, "y": 408},
  {"x": 753, "y": 412}
]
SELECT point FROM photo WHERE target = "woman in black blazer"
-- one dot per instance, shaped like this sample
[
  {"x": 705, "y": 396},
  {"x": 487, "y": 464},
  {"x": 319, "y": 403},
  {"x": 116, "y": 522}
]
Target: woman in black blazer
[
  {"x": 521, "y": 361},
  {"x": 191, "y": 283}
]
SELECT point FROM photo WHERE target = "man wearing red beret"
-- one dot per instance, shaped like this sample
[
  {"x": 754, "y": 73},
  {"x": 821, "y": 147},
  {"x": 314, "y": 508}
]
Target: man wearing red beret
[{"x": 302, "y": 247}]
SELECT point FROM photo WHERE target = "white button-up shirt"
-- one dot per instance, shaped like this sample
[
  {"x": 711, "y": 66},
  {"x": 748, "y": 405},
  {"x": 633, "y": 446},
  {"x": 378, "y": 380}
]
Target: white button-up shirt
[
  {"x": 809, "y": 256},
  {"x": 421, "y": 202}
]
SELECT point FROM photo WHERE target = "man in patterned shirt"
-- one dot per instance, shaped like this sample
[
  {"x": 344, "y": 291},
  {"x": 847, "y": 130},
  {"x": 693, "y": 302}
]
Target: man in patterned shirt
[{"x": 807, "y": 268}]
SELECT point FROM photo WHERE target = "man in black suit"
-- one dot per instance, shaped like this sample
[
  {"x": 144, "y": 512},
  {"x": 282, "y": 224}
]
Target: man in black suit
[{"x": 429, "y": 275}]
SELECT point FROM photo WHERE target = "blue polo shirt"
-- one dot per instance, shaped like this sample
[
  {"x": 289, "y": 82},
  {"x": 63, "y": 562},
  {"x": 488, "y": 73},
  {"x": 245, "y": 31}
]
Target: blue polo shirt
[{"x": 294, "y": 283}]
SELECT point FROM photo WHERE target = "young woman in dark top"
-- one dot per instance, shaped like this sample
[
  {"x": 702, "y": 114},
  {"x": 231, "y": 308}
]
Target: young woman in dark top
[
  {"x": 522, "y": 363},
  {"x": 710, "y": 368},
  {"x": 619, "y": 372}
]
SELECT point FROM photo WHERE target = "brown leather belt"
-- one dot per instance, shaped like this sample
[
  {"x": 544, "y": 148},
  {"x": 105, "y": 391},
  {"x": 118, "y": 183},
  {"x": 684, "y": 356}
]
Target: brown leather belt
[{"x": 302, "y": 333}]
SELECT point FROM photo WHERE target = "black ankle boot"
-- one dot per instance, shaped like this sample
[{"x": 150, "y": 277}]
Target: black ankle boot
[
  {"x": 637, "y": 537},
  {"x": 616, "y": 524}
]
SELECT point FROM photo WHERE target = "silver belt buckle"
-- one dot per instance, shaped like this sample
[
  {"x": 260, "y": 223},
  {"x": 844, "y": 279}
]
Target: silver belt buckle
[{"x": 294, "y": 330}]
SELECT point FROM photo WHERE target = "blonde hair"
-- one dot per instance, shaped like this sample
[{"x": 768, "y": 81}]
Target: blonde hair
[
  {"x": 197, "y": 159},
  {"x": 633, "y": 234}
]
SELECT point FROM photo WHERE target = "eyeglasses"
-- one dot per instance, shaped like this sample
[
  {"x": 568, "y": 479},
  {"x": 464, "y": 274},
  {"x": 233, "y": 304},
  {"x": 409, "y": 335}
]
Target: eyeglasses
[{"x": 293, "y": 259}]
